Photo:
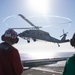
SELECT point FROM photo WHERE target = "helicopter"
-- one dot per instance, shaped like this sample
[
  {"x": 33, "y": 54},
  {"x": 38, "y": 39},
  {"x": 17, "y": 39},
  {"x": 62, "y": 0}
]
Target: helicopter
[{"x": 35, "y": 33}]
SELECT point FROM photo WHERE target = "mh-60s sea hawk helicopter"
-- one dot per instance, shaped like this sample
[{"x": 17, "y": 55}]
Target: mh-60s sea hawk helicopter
[{"x": 35, "y": 33}]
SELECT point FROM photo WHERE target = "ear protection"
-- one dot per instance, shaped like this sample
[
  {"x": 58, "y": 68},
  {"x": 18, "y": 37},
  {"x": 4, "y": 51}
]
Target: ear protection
[
  {"x": 72, "y": 41},
  {"x": 17, "y": 39},
  {"x": 3, "y": 38}
]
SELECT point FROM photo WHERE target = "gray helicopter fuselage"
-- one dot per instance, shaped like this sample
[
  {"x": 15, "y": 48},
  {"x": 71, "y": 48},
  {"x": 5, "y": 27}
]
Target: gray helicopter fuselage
[{"x": 38, "y": 34}]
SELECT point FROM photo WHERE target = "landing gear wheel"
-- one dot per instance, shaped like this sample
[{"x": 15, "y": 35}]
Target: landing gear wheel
[
  {"x": 28, "y": 41},
  {"x": 34, "y": 40}
]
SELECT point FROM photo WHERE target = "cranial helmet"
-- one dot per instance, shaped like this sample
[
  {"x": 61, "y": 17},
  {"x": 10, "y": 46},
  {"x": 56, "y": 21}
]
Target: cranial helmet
[
  {"x": 72, "y": 41},
  {"x": 10, "y": 35}
]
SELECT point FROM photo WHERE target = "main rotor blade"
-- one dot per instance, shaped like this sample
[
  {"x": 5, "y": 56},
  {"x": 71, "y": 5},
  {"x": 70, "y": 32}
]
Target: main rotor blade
[
  {"x": 20, "y": 28},
  {"x": 26, "y": 20}
]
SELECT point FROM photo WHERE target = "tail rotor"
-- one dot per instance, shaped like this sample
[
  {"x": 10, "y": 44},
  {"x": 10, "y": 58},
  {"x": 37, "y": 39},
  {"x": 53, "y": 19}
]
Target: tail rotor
[{"x": 64, "y": 35}]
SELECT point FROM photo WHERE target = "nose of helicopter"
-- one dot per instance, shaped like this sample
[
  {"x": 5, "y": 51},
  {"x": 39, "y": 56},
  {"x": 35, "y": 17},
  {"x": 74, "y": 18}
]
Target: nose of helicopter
[{"x": 20, "y": 34}]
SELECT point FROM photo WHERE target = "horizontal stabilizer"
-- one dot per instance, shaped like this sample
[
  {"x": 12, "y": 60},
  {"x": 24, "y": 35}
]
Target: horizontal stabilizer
[{"x": 65, "y": 41}]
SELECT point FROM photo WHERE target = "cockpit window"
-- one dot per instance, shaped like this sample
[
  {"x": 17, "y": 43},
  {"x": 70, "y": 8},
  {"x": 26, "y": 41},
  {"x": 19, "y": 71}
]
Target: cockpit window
[{"x": 27, "y": 31}]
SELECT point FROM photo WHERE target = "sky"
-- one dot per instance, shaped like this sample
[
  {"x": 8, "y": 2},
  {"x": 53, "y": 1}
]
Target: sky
[{"x": 55, "y": 9}]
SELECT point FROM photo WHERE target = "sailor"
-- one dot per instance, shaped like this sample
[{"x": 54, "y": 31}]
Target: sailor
[
  {"x": 69, "y": 68},
  {"x": 10, "y": 62}
]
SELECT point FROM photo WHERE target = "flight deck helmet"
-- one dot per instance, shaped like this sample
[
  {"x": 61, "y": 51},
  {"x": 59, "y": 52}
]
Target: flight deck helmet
[{"x": 10, "y": 35}]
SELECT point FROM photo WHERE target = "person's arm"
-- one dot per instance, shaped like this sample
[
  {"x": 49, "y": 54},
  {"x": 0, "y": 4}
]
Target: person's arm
[{"x": 18, "y": 67}]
